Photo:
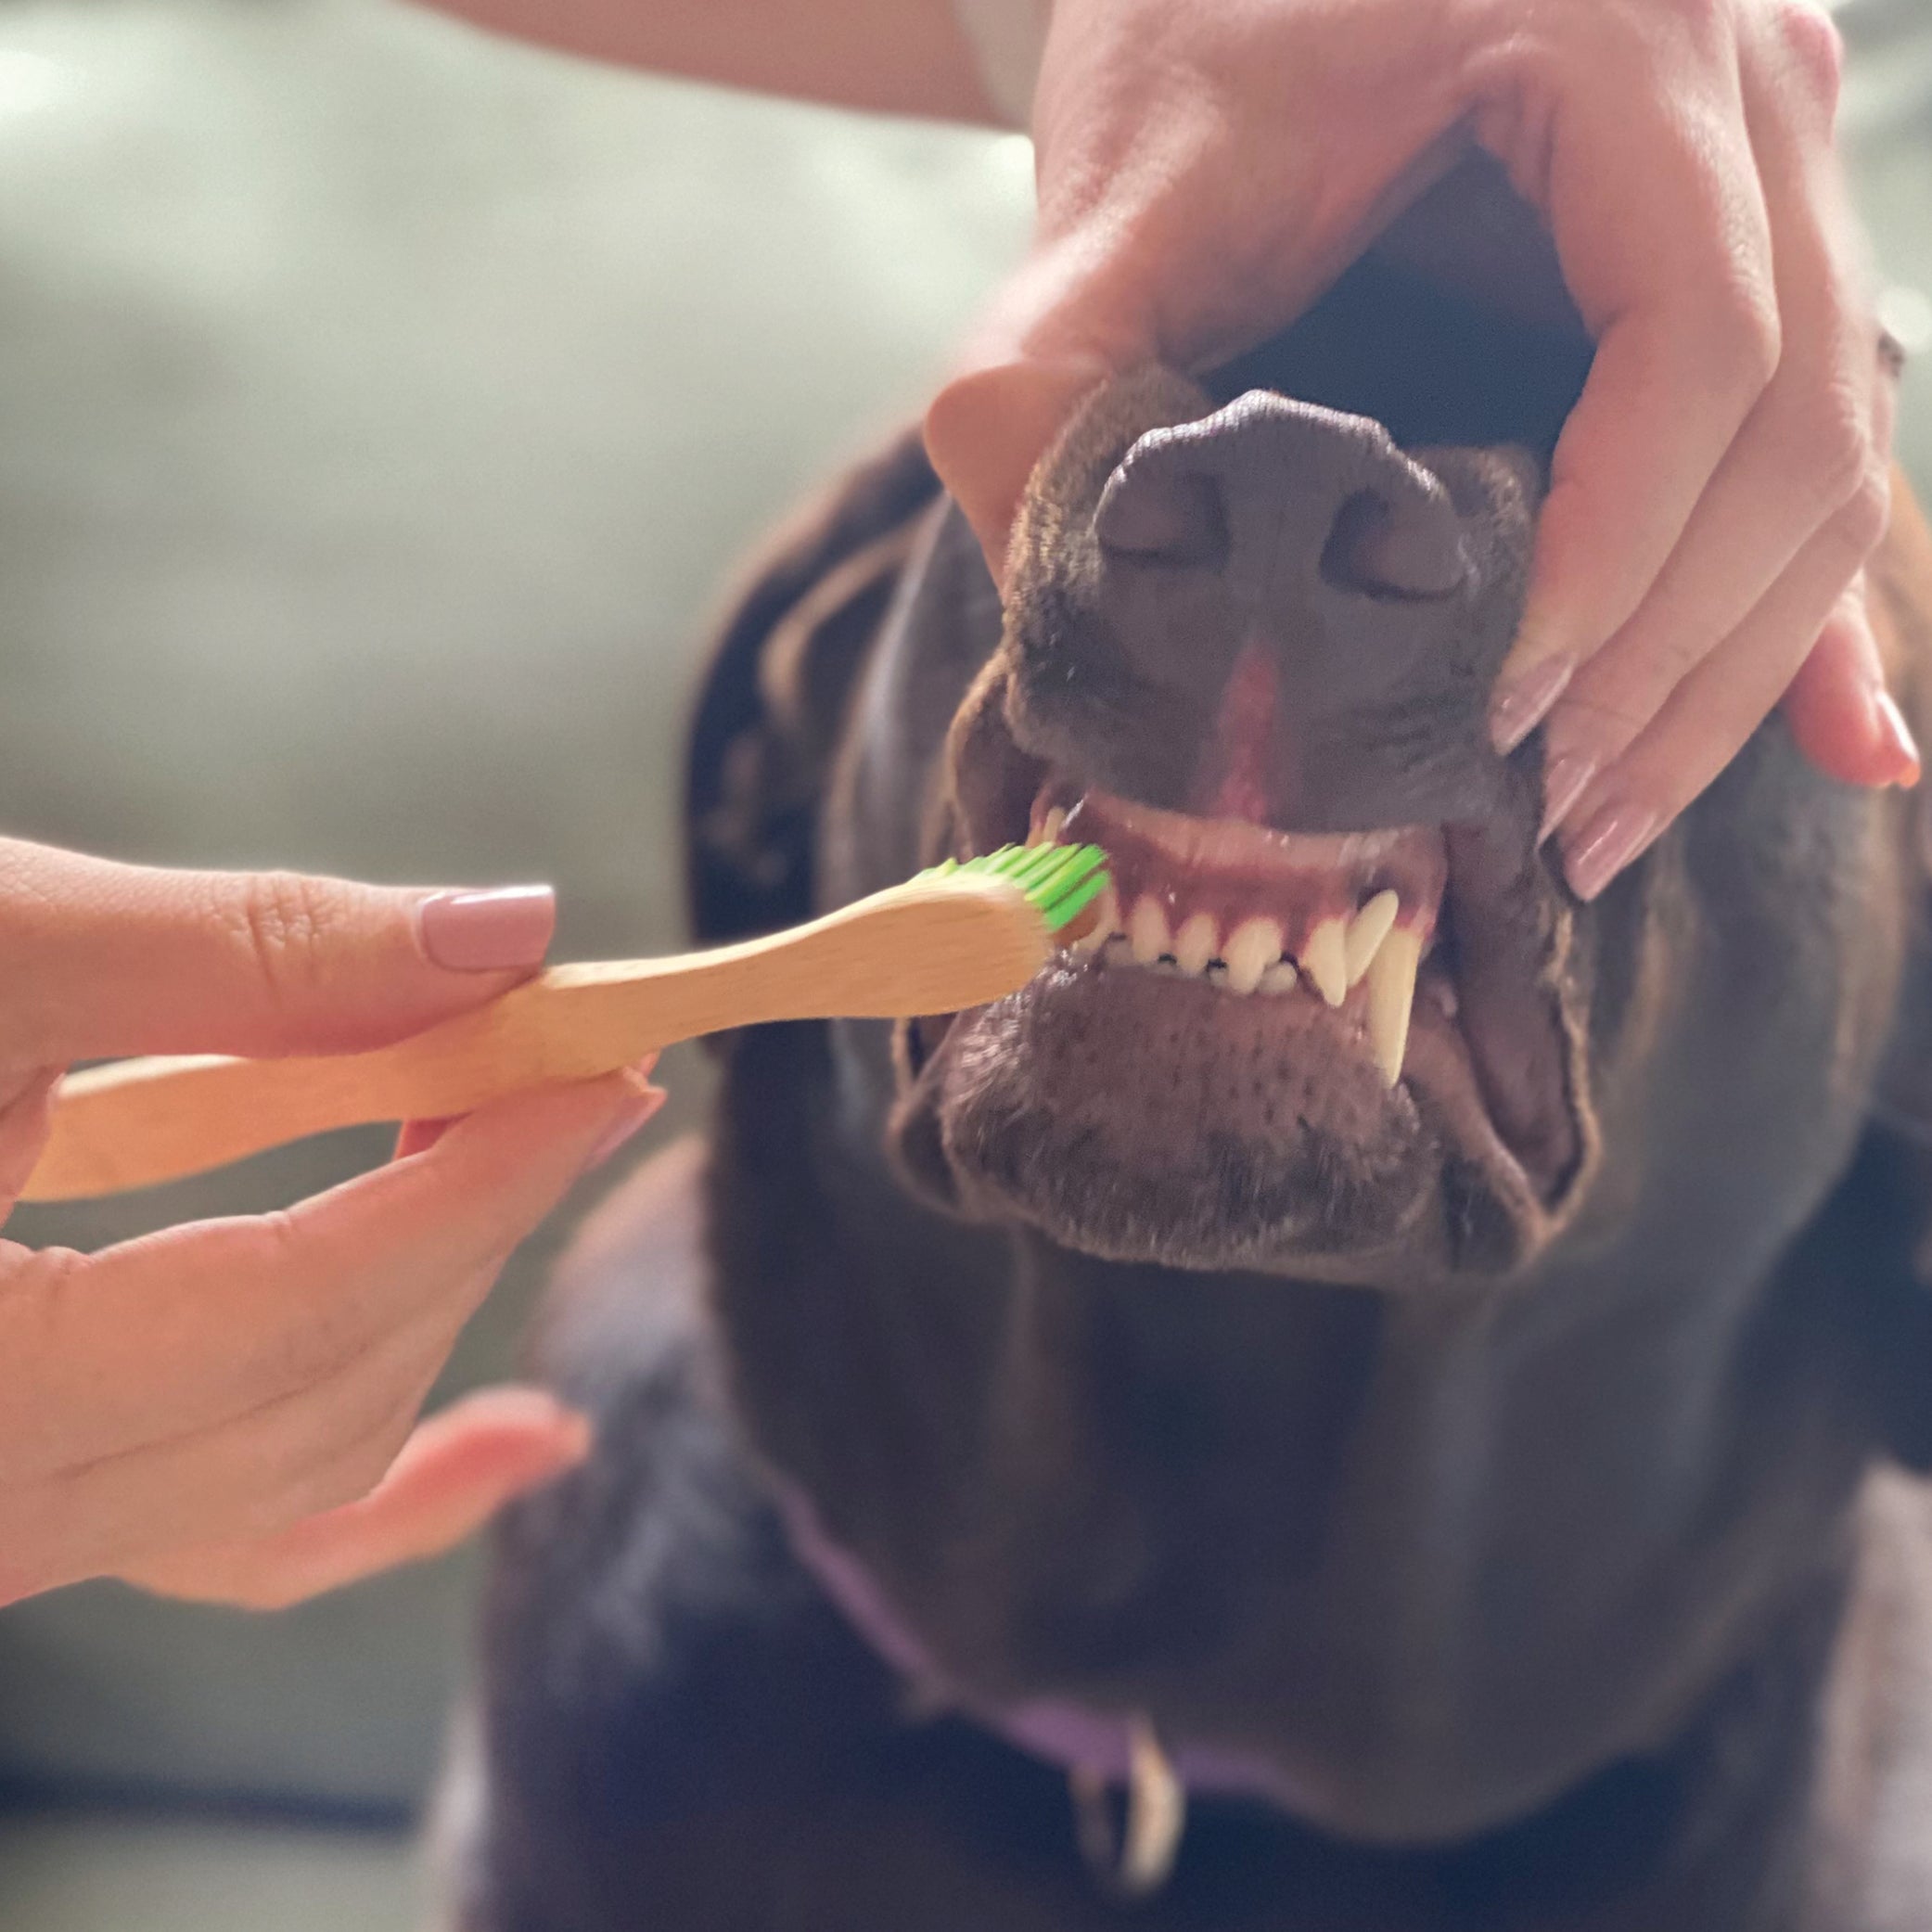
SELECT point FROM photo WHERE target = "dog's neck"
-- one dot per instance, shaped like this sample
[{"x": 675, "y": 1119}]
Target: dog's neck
[{"x": 1440, "y": 1559}]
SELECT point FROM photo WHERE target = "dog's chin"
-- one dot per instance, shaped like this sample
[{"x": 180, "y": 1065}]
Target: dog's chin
[{"x": 1140, "y": 1118}]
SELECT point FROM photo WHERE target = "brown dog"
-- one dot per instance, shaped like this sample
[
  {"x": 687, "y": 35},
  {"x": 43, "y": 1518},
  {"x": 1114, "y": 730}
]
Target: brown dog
[{"x": 1397, "y": 1401}]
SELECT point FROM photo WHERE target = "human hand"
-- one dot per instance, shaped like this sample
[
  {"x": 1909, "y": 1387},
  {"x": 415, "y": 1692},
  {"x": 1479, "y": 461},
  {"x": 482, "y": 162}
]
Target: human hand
[
  {"x": 217, "y": 1410},
  {"x": 1206, "y": 169}
]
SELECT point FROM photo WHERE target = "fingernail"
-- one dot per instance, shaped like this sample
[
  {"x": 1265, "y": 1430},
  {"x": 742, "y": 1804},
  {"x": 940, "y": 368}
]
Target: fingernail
[
  {"x": 1606, "y": 846},
  {"x": 625, "y": 1123},
  {"x": 1522, "y": 702},
  {"x": 1899, "y": 740},
  {"x": 1566, "y": 778},
  {"x": 507, "y": 929}
]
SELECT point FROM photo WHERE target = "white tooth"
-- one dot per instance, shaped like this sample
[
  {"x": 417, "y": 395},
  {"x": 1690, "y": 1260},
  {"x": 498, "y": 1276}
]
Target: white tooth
[
  {"x": 1050, "y": 826},
  {"x": 1146, "y": 931},
  {"x": 1367, "y": 929},
  {"x": 1281, "y": 977},
  {"x": 1251, "y": 949},
  {"x": 1157, "y": 1814},
  {"x": 1324, "y": 960},
  {"x": 1107, "y": 923},
  {"x": 1195, "y": 943},
  {"x": 1392, "y": 998}
]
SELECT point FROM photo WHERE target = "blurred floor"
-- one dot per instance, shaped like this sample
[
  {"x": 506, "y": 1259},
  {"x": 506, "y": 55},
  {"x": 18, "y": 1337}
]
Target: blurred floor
[
  {"x": 385, "y": 407},
  {"x": 73, "y": 1876}
]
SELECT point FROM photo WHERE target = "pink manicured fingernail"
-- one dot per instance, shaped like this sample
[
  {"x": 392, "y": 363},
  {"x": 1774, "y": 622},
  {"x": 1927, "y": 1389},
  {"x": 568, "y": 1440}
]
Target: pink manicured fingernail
[
  {"x": 632, "y": 1117},
  {"x": 507, "y": 929},
  {"x": 1564, "y": 779},
  {"x": 1898, "y": 733},
  {"x": 1521, "y": 703},
  {"x": 1606, "y": 846}
]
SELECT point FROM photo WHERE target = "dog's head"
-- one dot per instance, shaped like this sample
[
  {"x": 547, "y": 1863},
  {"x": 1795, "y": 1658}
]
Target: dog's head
[
  {"x": 1341, "y": 1019},
  {"x": 1345, "y": 1069}
]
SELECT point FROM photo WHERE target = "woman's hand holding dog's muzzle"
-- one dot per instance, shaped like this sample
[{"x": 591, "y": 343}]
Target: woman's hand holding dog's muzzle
[
  {"x": 224, "y": 1410},
  {"x": 1206, "y": 168}
]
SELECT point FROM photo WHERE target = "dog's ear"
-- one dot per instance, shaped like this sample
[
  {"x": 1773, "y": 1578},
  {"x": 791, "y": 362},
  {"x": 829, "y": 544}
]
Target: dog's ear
[
  {"x": 1884, "y": 1210},
  {"x": 773, "y": 696}
]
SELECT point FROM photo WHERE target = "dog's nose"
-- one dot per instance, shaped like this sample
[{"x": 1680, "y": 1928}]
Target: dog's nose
[
  {"x": 1278, "y": 524},
  {"x": 1303, "y": 618}
]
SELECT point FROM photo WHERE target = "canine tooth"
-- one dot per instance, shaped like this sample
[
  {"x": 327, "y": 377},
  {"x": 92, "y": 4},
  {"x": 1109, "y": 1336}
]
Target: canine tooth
[
  {"x": 1107, "y": 923},
  {"x": 1146, "y": 931},
  {"x": 1367, "y": 929},
  {"x": 1391, "y": 999},
  {"x": 1251, "y": 949},
  {"x": 1281, "y": 977},
  {"x": 1195, "y": 943},
  {"x": 1157, "y": 1814},
  {"x": 1050, "y": 826},
  {"x": 1325, "y": 960}
]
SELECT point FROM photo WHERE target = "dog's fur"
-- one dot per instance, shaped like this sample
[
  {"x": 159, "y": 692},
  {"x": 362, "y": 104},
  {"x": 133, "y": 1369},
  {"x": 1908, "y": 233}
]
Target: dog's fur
[{"x": 1559, "y": 1548}]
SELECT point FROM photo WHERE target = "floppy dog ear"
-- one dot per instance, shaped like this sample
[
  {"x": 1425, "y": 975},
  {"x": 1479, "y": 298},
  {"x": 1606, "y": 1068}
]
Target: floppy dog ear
[
  {"x": 1883, "y": 1214},
  {"x": 773, "y": 695}
]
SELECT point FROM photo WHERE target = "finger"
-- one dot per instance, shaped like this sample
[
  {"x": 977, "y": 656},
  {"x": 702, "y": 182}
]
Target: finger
[
  {"x": 419, "y": 1137},
  {"x": 186, "y": 1327},
  {"x": 26, "y": 1116},
  {"x": 454, "y": 1473},
  {"x": 1841, "y": 713},
  {"x": 249, "y": 1476},
  {"x": 104, "y": 959},
  {"x": 1617, "y": 694},
  {"x": 1665, "y": 242},
  {"x": 1808, "y": 458},
  {"x": 987, "y": 429},
  {"x": 1703, "y": 726}
]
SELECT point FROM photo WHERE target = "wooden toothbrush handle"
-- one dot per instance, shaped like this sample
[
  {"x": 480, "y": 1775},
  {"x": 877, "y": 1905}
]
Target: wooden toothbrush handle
[
  {"x": 924, "y": 947},
  {"x": 136, "y": 1124}
]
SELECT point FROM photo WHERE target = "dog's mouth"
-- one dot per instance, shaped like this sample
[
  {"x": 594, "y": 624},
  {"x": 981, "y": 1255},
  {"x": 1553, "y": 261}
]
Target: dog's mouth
[
  {"x": 1346, "y": 921},
  {"x": 1344, "y": 1054}
]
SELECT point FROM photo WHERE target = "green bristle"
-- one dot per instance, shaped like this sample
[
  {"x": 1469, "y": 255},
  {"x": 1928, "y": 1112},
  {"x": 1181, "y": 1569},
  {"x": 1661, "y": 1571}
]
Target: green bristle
[{"x": 1060, "y": 881}]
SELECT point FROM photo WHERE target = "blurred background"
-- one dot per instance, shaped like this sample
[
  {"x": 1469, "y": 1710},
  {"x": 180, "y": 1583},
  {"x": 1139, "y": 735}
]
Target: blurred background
[{"x": 384, "y": 408}]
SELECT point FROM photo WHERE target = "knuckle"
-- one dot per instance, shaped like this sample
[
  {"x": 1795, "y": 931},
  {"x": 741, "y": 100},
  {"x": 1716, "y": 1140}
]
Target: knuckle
[
  {"x": 1815, "y": 46},
  {"x": 1754, "y": 333},
  {"x": 1867, "y": 513},
  {"x": 284, "y": 921}
]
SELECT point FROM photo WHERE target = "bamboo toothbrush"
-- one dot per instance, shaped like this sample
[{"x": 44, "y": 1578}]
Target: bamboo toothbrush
[{"x": 953, "y": 936}]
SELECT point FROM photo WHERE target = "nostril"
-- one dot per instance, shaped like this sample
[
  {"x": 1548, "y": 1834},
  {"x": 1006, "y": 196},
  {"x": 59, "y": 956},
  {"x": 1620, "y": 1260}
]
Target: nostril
[
  {"x": 1377, "y": 551},
  {"x": 1166, "y": 519}
]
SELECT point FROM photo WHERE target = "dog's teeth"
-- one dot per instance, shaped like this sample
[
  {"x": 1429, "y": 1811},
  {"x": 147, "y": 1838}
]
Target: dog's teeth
[
  {"x": 1050, "y": 826},
  {"x": 1196, "y": 943},
  {"x": 1157, "y": 1814},
  {"x": 1367, "y": 929},
  {"x": 1392, "y": 998},
  {"x": 1281, "y": 977},
  {"x": 1325, "y": 959},
  {"x": 1251, "y": 949},
  {"x": 1107, "y": 923},
  {"x": 1146, "y": 931}
]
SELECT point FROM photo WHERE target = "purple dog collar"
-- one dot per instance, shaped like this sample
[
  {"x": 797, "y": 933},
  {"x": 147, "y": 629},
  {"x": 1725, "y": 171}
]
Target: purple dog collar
[{"x": 1098, "y": 1750}]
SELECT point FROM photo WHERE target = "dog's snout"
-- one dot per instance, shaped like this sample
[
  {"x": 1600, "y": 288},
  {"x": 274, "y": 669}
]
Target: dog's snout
[{"x": 1273, "y": 531}]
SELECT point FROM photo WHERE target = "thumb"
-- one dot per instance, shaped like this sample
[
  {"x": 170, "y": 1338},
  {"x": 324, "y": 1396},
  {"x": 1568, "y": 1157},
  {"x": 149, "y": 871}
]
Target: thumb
[
  {"x": 98, "y": 958},
  {"x": 988, "y": 428}
]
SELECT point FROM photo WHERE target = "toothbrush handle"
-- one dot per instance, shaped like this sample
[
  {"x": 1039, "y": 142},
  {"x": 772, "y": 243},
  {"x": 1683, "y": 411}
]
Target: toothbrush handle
[{"x": 917, "y": 949}]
